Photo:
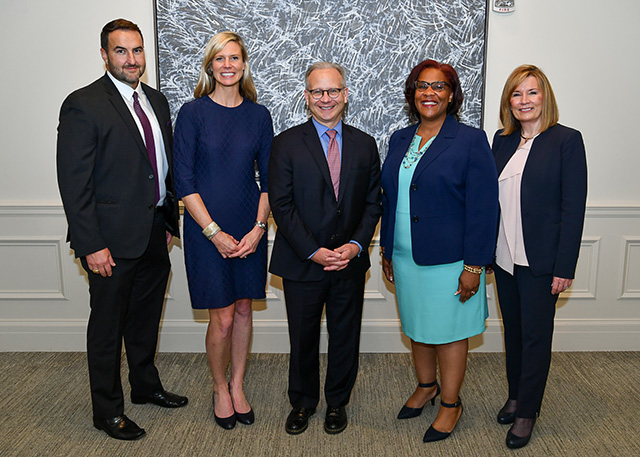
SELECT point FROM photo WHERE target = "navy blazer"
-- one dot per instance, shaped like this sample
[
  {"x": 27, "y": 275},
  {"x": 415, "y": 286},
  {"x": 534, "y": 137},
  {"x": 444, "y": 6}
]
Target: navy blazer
[
  {"x": 553, "y": 197},
  {"x": 453, "y": 198},
  {"x": 304, "y": 206}
]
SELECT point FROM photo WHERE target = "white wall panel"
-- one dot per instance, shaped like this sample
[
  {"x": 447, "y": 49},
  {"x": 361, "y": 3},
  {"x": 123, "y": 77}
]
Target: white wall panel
[
  {"x": 46, "y": 308},
  {"x": 631, "y": 268},
  {"x": 44, "y": 291}
]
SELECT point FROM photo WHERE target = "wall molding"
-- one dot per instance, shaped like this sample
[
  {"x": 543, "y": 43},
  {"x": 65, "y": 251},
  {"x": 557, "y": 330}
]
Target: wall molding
[
  {"x": 601, "y": 209},
  {"x": 54, "y": 269},
  {"x": 271, "y": 336},
  {"x": 606, "y": 293},
  {"x": 630, "y": 284}
]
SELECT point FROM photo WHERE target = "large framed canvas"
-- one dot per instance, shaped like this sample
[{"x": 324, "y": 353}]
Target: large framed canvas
[{"x": 377, "y": 41}]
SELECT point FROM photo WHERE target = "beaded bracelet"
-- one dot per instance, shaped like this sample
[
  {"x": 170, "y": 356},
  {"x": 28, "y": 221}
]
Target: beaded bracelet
[{"x": 474, "y": 270}]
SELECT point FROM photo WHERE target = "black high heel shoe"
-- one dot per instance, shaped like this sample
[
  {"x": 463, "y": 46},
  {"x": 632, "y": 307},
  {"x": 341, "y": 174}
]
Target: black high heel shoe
[
  {"x": 247, "y": 418},
  {"x": 504, "y": 417},
  {"x": 225, "y": 422},
  {"x": 515, "y": 442},
  {"x": 407, "y": 412},
  {"x": 434, "y": 435},
  {"x": 244, "y": 418}
]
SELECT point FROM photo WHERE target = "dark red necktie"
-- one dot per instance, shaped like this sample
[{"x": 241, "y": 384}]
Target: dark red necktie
[{"x": 148, "y": 140}]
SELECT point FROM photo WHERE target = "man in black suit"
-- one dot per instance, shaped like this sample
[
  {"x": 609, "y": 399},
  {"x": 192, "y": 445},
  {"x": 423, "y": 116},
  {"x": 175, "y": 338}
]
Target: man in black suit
[
  {"x": 114, "y": 175},
  {"x": 324, "y": 190}
]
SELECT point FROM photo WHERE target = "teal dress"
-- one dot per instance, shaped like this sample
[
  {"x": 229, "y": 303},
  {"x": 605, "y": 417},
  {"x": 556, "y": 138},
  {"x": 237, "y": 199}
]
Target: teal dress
[{"x": 429, "y": 311}]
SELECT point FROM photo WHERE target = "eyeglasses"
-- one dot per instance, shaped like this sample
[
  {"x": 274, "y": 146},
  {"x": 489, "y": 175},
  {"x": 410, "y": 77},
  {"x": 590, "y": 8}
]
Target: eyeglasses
[
  {"x": 317, "y": 94},
  {"x": 438, "y": 86}
]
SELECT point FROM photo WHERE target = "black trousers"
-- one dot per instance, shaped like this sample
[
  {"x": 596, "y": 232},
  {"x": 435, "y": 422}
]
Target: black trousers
[
  {"x": 305, "y": 301},
  {"x": 528, "y": 309},
  {"x": 127, "y": 305}
]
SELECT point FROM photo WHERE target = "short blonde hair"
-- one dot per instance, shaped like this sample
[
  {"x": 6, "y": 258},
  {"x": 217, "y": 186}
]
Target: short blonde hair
[
  {"x": 550, "y": 114},
  {"x": 206, "y": 82}
]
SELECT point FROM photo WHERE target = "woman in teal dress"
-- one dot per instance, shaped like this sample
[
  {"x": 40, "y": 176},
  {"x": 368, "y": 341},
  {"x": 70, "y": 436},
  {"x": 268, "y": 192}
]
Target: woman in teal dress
[{"x": 440, "y": 201}]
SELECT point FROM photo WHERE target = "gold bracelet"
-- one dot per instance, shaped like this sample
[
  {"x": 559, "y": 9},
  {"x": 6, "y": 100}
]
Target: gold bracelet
[
  {"x": 262, "y": 225},
  {"x": 474, "y": 270},
  {"x": 211, "y": 230}
]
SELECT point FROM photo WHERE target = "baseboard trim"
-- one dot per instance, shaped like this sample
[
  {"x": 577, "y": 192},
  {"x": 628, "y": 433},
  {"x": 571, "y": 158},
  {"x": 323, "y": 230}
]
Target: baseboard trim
[{"x": 271, "y": 336}]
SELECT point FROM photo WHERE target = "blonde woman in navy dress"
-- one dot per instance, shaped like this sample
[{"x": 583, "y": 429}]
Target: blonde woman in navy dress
[
  {"x": 220, "y": 137},
  {"x": 440, "y": 205}
]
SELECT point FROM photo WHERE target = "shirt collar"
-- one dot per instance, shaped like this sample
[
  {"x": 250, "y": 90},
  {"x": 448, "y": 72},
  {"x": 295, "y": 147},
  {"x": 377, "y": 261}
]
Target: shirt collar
[
  {"x": 322, "y": 129},
  {"x": 125, "y": 89}
]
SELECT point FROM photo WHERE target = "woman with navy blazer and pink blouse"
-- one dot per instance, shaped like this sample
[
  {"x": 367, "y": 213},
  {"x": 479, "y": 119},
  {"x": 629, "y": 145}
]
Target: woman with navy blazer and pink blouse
[{"x": 542, "y": 190}]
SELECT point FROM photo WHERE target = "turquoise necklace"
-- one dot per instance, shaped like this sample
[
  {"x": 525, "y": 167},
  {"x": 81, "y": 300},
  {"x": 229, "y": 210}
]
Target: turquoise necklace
[{"x": 413, "y": 153}]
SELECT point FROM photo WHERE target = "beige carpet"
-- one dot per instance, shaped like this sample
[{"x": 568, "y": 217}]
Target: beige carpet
[{"x": 591, "y": 408}]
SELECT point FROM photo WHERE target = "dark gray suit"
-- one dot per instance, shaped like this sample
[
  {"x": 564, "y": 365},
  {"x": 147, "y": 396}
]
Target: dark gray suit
[
  {"x": 309, "y": 217},
  {"x": 107, "y": 186}
]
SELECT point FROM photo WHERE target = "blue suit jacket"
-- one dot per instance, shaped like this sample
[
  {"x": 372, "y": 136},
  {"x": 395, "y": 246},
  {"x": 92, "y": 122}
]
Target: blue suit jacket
[
  {"x": 453, "y": 197},
  {"x": 553, "y": 197}
]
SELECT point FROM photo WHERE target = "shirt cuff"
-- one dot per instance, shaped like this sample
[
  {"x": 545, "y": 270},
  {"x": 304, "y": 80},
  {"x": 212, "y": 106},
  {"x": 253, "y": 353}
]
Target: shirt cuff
[{"x": 359, "y": 246}]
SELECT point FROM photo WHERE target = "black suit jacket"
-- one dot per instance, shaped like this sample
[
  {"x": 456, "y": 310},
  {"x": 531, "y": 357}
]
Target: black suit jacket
[
  {"x": 104, "y": 174},
  {"x": 304, "y": 205},
  {"x": 553, "y": 197}
]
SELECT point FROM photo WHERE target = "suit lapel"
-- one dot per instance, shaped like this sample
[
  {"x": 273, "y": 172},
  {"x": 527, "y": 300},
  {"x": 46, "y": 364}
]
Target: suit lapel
[
  {"x": 443, "y": 140},
  {"x": 395, "y": 159},
  {"x": 507, "y": 151},
  {"x": 312, "y": 142},
  {"x": 165, "y": 124},
  {"x": 349, "y": 148},
  {"x": 120, "y": 106}
]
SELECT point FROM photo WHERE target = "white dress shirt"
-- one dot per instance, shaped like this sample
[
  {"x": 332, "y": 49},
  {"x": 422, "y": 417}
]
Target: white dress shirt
[{"x": 161, "y": 157}]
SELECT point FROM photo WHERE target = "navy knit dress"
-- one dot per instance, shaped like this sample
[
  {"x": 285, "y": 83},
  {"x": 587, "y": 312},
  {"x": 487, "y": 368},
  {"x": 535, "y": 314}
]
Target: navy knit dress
[{"x": 216, "y": 150}]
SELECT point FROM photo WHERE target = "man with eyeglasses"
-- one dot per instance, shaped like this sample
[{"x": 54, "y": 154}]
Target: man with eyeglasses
[{"x": 324, "y": 190}]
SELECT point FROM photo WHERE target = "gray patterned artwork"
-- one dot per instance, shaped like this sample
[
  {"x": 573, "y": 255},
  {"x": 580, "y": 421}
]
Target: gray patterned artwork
[{"x": 377, "y": 41}]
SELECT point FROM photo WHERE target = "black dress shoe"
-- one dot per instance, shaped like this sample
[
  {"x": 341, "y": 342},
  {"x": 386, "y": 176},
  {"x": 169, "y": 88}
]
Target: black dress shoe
[
  {"x": 226, "y": 422},
  {"x": 246, "y": 418},
  {"x": 504, "y": 417},
  {"x": 160, "y": 398},
  {"x": 119, "y": 427},
  {"x": 515, "y": 441},
  {"x": 336, "y": 419},
  {"x": 298, "y": 420}
]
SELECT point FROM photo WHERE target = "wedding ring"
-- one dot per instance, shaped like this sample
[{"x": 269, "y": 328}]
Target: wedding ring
[{"x": 96, "y": 271}]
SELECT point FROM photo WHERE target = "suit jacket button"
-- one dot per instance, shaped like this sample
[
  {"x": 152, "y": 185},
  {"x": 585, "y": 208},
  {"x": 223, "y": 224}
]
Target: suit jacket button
[
  {"x": 150, "y": 207},
  {"x": 338, "y": 211},
  {"x": 151, "y": 176},
  {"x": 415, "y": 218},
  {"x": 333, "y": 237},
  {"x": 414, "y": 187}
]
